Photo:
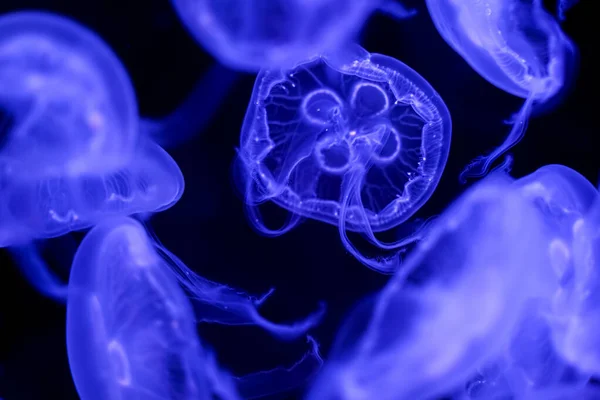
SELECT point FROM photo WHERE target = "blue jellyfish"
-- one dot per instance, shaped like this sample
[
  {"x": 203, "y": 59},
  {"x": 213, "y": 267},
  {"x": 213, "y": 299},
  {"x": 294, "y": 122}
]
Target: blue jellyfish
[
  {"x": 131, "y": 330},
  {"x": 253, "y": 34},
  {"x": 514, "y": 44},
  {"x": 349, "y": 138},
  {"x": 68, "y": 105},
  {"x": 72, "y": 154},
  {"x": 193, "y": 115},
  {"x": 451, "y": 307}
]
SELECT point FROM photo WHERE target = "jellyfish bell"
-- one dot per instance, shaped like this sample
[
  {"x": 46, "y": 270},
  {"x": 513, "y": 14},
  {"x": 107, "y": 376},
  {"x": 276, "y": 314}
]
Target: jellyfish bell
[
  {"x": 349, "y": 138},
  {"x": 515, "y": 45},
  {"x": 420, "y": 338},
  {"x": 52, "y": 207},
  {"x": 131, "y": 330},
  {"x": 69, "y": 104},
  {"x": 255, "y": 34},
  {"x": 129, "y": 326}
]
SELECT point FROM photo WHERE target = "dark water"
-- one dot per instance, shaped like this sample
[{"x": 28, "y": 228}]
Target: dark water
[{"x": 207, "y": 228}]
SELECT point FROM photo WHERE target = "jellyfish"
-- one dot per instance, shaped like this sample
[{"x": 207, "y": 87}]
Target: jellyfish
[
  {"x": 451, "y": 307},
  {"x": 69, "y": 107},
  {"x": 195, "y": 112},
  {"x": 515, "y": 45},
  {"x": 71, "y": 153},
  {"x": 255, "y": 34},
  {"x": 578, "y": 309},
  {"x": 350, "y": 138},
  {"x": 131, "y": 330}
]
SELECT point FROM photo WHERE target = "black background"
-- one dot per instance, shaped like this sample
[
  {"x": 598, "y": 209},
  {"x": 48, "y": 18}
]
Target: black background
[{"x": 207, "y": 229}]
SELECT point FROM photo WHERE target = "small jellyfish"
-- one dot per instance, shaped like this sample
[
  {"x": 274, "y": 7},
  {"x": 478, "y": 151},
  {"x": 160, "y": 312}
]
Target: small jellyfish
[
  {"x": 131, "y": 330},
  {"x": 514, "y": 44},
  {"x": 253, "y": 34},
  {"x": 68, "y": 105},
  {"x": 193, "y": 115},
  {"x": 353, "y": 139},
  {"x": 451, "y": 307}
]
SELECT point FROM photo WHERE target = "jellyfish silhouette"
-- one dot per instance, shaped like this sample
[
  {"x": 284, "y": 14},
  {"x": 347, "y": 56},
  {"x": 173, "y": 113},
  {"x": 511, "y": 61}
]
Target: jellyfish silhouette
[
  {"x": 131, "y": 330},
  {"x": 451, "y": 307},
  {"x": 349, "y": 138},
  {"x": 252, "y": 34},
  {"x": 71, "y": 153},
  {"x": 195, "y": 113},
  {"x": 518, "y": 47}
]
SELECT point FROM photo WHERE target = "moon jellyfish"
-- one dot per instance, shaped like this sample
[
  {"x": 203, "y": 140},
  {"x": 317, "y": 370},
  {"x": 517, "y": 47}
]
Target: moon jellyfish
[
  {"x": 70, "y": 154},
  {"x": 514, "y": 44},
  {"x": 351, "y": 138},
  {"x": 196, "y": 111},
  {"x": 69, "y": 106},
  {"x": 450, "y": 308},
  {"x": 253, "y": 34},
  {"x": 576, "y": 335},
  {"x": 131, "y": 330}
]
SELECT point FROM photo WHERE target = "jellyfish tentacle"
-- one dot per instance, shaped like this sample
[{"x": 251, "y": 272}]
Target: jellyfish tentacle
[
  {"x": 193, "y": 115},
  {"x": 38, "y": 273},
  {"x": 480, "y": 166}
]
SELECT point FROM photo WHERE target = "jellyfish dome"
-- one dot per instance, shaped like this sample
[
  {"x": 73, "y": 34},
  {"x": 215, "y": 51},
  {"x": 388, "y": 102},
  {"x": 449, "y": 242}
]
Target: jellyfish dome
[
  {"x": 352, "y": 137},
  {"x": 54, "y": 206},
  {"x": 254, "y": 34},
  {"x": 130, "y": 329},
  {"x": 451, "y": 307},
  {"x": 69, "y": 107}
]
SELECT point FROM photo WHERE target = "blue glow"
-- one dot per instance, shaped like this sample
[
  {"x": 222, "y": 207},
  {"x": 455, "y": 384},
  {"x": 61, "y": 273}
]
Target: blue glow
[
  {"x": 253, "y": 34},
  {"x": 131, "y": 330},
  {"x": 352, "y": 139},
  {"x": 50, "y": 207},
  {"x": 417, "y": 338},
  {"x": 563, "y": 6},
  {"x": 514, "y": 44},
  {"x": 69, "y": 104}
]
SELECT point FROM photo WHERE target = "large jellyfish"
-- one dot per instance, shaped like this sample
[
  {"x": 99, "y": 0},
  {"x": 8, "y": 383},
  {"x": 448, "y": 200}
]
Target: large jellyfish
[
  {"x": 514, "y": 44},
  {"x": 253, "y": 34},
  {"x": 71, "y": 153},
  {"x": 131, "y": 330},
  {"x": 451, "y": 307},
  {"x": 349, "y": 138}
]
